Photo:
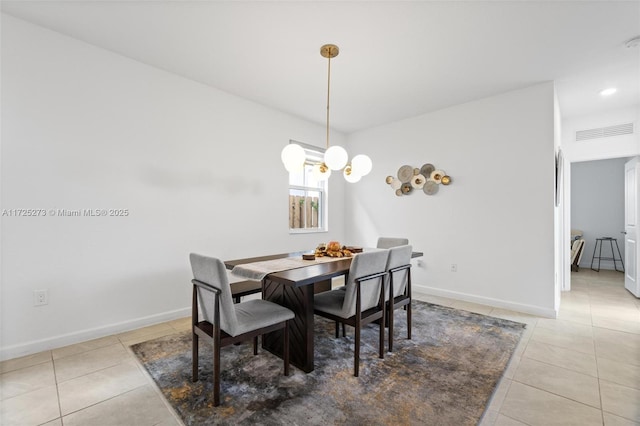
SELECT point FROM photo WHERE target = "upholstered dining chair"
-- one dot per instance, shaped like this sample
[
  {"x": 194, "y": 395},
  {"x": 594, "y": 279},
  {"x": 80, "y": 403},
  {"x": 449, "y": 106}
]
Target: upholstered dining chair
[
  {"x": 225, "y": 323},
  {"x": 361, "y": 302},
  {"x": 399, "y": 286},
  {"x": 388, "y": 242}
]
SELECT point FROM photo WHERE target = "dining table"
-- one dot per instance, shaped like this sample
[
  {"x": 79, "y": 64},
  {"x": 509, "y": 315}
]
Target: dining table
[{"x": 294, "y": 288}]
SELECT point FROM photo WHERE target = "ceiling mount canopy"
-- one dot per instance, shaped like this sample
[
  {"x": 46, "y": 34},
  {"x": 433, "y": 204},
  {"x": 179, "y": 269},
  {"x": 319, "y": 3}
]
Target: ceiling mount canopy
[
  {"x": 335, "y": 157},
  {"x": 329, "y": 51}
]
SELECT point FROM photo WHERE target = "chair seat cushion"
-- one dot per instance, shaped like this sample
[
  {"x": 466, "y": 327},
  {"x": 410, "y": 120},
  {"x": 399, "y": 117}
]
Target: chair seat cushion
[
  {"x": 330, "y": 302},
  {"x": 255, "y": 314}
]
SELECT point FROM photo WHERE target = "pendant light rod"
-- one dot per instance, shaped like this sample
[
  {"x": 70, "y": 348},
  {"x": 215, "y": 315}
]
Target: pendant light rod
[
  {"x": 329, "y": 51},
  {"x": 328, "y": 92}
]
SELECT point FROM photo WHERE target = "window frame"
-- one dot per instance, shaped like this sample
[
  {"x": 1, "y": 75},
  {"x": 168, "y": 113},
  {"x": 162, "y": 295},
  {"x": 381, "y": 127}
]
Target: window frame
[{"x": 314, "y": 156}]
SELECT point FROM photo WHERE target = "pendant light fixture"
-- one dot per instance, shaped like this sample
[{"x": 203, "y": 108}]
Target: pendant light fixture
[{"x": 335, "y": 157}]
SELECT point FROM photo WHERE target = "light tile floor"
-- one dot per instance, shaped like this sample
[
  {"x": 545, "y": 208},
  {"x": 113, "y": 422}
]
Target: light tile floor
[{"x": 580, "y": 369}]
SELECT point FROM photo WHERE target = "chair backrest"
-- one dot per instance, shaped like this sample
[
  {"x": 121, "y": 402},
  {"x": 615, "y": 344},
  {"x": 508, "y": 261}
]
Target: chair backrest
[
  {"x": 211, "y": 271},
  {"x": 576, "y": 251},
  {"x": 399, "y": 256},
  {"x": 363, "y": 264},
  {"x": 388, "y": 242}
]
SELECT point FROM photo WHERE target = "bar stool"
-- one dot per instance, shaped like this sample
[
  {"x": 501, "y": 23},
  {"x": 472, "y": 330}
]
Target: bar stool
[{"x": 611, "y": 241}]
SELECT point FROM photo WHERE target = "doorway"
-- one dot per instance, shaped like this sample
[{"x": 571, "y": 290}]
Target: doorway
[
  {"x": 597, "y": 211},
  {"x": 616, "y": 226}
]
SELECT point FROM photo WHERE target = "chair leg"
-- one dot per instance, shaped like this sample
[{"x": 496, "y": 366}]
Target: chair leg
[
  {"x": 216, "y": 373},
  {"x": 409, "y": 320},
  {"x": 356, "y": 356},
  {"x": 381, "y": 342},
  {"x": 194, "y": 357},
  {"x": 337, "y": 329},
  {"x": 255, "y": 345},
  {"x": 285, "y": 349},
  {"x": 344, "y": 332},
  {"x": 391, "y": 309}
]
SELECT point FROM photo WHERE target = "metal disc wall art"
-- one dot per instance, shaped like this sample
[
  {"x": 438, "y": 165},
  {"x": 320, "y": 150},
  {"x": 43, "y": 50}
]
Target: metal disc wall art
[
  {"x": 426, "y": 178},
  {"x": 405, "y": 173},
  {"x": 426, "y": 169},
  {"x": 418, "y": 181},
  {"x": 406, "y": 188},
  {"x": 431, "y": 187}
]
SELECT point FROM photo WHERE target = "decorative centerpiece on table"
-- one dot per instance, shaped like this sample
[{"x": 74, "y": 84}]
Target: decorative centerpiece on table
[{"x": 335, "y": 249}]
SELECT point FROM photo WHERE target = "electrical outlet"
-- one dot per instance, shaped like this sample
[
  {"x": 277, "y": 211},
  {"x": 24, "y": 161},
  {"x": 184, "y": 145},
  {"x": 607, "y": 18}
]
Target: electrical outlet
[
  {"x": 454, "y": 267},
  {"x": 40, "y": 297}
]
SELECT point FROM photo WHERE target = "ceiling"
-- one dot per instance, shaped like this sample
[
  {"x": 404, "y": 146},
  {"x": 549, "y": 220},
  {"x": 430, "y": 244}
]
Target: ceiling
[{"x": 397, "y": 59}]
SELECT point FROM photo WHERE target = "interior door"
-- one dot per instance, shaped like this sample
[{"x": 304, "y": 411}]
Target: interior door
[{"x": 631, "y": 212}]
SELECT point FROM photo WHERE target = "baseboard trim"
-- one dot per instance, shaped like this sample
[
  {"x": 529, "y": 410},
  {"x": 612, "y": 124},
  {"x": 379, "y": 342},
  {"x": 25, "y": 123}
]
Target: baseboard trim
[
  {"x": 35, "y": 346},
  {"x": 496, "y": 303}
]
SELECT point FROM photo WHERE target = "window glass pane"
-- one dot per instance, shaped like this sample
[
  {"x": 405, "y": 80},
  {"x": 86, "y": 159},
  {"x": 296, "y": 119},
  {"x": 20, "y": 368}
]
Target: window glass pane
[
  {"x": 310, "y": 180},
  {"x": 305, "y": 209},
  {"x": 297, "y": 177},
  {"x": 307, "y": 196}
]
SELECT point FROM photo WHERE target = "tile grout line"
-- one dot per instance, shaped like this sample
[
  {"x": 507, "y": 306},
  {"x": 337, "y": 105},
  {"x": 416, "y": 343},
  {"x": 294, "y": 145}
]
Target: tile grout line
[
  {"x": 104, "y": 400},
  {"x": 22, "y": 368},
  {"x": 85, "y": 351},
  {"x": 155, "y": 387},
  {"x": 95, "y": 371},
  {"x": 55, "y": 377},
  {"x": 558, "y": 395},
  {"x": 595, "y": 352},
  {"x": 499, "y": 408},
  {"x": 513, "y": 418},
  {"x": 563, "y": 368}
]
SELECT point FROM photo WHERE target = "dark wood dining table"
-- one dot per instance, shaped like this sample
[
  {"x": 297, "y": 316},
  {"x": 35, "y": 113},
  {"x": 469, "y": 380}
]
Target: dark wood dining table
[{"x": 294, "y": 288}]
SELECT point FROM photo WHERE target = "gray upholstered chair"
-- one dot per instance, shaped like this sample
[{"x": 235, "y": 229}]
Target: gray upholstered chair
[
  {"x": 577, "y": 249},
  {"x": 361, "y": 302},
  {"x": 388, "y": 242},
  {"x": 225, "y": 323},
  {"x": 399, "y": 286}
]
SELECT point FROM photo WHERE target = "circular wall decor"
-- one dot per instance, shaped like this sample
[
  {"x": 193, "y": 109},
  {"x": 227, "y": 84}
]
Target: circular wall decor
[
  {"x": 426, "y": 169},
  {"x": 405, "y": 173},
  {"x": 436, "y": 175},
  {"x": 431, "y": 187},
  {"x": 426, "y": 178},
  {"x": 418, "y": 181}
]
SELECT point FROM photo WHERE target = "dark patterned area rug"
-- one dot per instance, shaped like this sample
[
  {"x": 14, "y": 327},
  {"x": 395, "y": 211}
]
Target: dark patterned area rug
[{"x": 445, "y": 375}]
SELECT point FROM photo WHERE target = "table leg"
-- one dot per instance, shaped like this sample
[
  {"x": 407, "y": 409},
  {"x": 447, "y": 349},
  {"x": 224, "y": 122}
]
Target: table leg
[{"x": 300, "y": 301}]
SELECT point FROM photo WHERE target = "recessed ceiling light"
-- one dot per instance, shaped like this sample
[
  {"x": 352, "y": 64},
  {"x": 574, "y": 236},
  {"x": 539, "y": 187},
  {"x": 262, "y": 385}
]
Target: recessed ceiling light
[{"x": 608, "y": 92}]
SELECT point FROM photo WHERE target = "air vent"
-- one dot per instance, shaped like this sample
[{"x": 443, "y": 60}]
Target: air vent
[{"x": 605, "y": 132}]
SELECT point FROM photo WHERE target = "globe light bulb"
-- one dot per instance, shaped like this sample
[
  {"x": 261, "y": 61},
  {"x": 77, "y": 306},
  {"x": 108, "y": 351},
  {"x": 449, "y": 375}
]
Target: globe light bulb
[
  {"x": 336, "y": 157},
  {"x": 350, "y": 176},
  {"x": 293, "y": 157},
  {"x": 321, "y": 172},
  {"x": 294, "y": 167},
  {"x": 361, "y": 164}
]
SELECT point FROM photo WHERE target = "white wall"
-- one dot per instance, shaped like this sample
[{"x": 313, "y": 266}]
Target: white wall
[
  {"x": 597, "y": 205},
  {"x": 495, "y": 221},
  {"x": 198, "y": 169},
  {"x": 560, "y": 243}
]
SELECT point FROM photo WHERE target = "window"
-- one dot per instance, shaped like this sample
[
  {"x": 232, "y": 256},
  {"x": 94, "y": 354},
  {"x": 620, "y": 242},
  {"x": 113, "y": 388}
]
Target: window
[{"x": 307, "y": 196}]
